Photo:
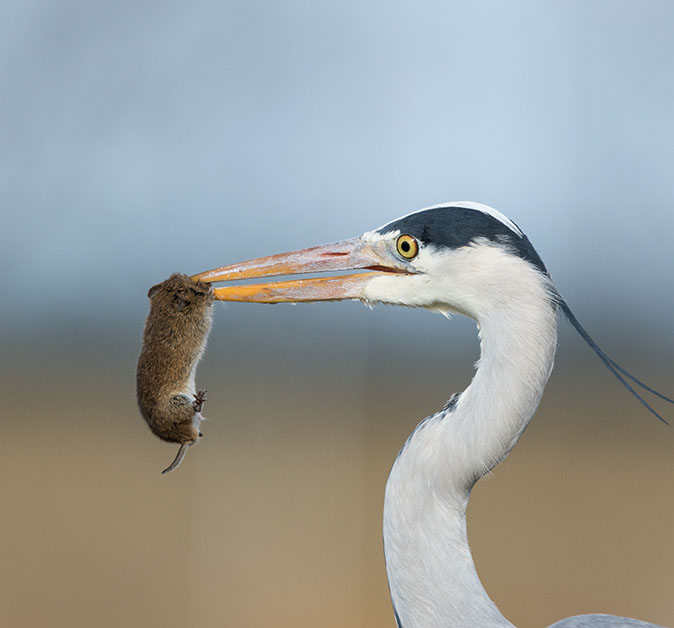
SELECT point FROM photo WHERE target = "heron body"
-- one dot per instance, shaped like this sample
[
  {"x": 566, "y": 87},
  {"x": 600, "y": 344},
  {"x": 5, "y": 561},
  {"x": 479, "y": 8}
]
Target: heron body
[{"x": 462, "y": 258}]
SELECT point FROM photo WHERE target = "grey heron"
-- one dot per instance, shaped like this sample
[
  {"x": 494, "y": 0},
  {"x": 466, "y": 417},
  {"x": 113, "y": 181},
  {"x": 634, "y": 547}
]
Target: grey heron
[{"x": 462, "y": 258}]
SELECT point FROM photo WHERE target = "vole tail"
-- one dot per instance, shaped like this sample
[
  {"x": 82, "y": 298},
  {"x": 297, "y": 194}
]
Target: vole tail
[{"x": 178, "y": 459}]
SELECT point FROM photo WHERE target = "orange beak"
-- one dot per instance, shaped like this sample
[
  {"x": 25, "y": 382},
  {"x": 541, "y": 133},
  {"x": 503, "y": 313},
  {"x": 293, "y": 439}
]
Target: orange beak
[{"x": 352, "y": 254}]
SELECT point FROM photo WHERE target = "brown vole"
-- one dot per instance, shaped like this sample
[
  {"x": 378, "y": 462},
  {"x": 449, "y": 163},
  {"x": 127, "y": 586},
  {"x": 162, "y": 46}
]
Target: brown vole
[{"x": 174, "y": 340}]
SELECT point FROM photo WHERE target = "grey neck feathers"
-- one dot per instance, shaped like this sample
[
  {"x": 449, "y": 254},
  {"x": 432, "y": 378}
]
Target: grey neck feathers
[{"x": 431, "y": 573}]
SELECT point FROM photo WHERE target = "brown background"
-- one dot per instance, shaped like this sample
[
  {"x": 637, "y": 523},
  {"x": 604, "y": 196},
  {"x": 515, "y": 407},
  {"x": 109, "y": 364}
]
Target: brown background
[{"x": 275, "y": 518}]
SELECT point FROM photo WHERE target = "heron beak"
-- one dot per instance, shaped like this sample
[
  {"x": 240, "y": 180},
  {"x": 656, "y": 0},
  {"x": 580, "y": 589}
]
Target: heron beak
[{"x": 352, "y": 254}]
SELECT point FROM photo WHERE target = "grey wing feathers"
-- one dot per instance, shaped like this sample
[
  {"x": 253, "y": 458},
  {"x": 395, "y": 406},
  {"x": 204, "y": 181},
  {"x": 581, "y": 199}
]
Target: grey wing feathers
[{"x": 602, "y": 621}]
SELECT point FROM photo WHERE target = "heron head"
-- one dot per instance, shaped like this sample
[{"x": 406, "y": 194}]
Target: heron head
[{"x": 450, "y": 257}]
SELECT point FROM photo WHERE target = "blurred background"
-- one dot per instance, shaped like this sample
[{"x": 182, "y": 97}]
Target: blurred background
[{"x": 142, "y": 138}]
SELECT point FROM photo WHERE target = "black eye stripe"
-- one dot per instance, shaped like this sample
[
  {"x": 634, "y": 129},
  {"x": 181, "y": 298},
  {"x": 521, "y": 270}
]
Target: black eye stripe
[{"x": 453, "y": 227}]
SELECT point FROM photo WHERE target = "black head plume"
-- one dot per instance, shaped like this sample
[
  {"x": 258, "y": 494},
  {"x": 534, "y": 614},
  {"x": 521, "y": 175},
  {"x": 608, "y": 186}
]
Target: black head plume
[{"x": 618, "y": 371}]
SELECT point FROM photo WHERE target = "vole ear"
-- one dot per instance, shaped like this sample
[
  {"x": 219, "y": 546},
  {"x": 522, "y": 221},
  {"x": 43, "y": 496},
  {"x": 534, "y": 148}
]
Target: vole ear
[{"x": 153, "y": 290}]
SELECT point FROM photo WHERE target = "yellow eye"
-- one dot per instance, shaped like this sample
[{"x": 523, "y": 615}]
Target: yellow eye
[{"x": 407, "y": 246}]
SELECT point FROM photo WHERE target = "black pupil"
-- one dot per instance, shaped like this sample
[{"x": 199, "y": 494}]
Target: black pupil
[{"x": 405, "y": 246}]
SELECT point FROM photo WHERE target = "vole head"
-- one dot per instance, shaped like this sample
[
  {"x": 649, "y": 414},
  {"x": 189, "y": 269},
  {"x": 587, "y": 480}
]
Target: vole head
[{"x": 180, "y": 294}]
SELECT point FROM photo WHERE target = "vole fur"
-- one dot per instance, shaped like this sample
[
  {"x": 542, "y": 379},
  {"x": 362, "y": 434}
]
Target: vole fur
[{"x": 174, "y": 340}]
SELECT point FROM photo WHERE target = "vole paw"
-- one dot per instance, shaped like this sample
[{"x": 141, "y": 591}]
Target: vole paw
[{"x": 199, "y": 400}]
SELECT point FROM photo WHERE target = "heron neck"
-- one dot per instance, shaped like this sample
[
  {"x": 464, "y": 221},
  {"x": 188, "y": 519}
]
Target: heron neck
[{"x": 431, "y": 573}]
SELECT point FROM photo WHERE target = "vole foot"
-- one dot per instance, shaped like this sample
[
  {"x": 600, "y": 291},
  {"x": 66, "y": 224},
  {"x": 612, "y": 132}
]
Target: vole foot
[{"x": 199, "y": 399}]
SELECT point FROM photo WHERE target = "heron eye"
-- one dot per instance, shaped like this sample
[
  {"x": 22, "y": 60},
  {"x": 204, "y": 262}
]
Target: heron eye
[{"x": 407, "y": 246}]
